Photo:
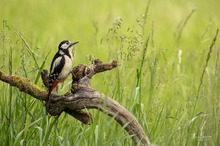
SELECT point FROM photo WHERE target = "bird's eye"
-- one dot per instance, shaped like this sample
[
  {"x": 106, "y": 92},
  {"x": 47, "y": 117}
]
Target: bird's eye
[{"x": 67, "y": 43}]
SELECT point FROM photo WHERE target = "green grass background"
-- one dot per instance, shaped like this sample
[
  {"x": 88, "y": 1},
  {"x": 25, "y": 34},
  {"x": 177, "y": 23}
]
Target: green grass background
[{"x": 161, "y": 84}]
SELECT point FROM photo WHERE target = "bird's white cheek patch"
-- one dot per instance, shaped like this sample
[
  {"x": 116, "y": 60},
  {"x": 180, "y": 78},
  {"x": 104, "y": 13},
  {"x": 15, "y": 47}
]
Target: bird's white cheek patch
[
  {"x": 61, "y": 52},
  {"x": 64, "y": 46}
]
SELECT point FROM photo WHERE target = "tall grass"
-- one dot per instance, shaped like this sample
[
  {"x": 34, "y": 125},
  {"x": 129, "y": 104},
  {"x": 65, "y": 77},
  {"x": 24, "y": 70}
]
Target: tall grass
[{"x": 167, "y": 78}]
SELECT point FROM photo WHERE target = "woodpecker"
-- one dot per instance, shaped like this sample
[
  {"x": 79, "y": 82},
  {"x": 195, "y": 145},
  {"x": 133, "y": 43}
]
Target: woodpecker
[{"x": 61, "y": 65}]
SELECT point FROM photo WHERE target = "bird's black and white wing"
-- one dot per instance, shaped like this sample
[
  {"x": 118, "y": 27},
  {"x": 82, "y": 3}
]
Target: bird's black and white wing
[{"x": 56, "y": 67}]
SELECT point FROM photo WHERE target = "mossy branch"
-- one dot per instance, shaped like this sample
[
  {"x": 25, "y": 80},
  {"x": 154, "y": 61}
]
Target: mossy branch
[
  {"x": 81, "y": 97},
  {"x": 24, "y": 85}
]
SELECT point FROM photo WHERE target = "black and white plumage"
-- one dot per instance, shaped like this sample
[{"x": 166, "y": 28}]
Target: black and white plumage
[{"x": 61, "y": 65}]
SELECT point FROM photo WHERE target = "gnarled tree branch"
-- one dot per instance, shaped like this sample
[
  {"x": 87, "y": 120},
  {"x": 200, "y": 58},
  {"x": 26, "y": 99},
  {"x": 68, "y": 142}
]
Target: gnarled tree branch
[{"x": 81, "y": 97}]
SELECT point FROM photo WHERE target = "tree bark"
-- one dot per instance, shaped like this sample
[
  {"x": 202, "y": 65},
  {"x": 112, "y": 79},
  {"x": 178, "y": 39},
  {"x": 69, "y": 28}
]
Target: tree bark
[{"x": 81, "y": 97}]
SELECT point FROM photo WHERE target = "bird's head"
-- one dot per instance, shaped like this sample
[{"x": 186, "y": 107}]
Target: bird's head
[{"x": 66, "y": 45}]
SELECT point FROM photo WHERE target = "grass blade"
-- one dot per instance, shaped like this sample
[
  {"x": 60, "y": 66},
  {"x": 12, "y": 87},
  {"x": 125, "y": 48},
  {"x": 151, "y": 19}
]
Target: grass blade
[{"x": 40, "y": 69}]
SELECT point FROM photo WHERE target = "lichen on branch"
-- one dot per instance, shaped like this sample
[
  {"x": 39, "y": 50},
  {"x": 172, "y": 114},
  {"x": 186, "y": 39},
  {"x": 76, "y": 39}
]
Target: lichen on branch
[{"x": 81, "y": 97}]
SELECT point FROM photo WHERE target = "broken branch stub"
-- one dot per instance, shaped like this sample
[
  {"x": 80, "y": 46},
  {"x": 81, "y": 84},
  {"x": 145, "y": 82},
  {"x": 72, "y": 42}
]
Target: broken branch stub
[{"x": 56, "y": 109}]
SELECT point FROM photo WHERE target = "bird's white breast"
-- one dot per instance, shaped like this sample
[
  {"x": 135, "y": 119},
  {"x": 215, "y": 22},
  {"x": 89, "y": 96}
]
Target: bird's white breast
[{"x": 66, "y": 68}]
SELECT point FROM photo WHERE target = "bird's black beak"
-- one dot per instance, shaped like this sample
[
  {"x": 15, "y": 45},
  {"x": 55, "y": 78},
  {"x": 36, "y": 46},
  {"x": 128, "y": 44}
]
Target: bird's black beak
[{"x": 73, "y": 43}]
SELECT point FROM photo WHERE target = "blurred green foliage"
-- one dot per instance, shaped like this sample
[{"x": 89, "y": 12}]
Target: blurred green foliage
[{"x": 162, "y": 92}]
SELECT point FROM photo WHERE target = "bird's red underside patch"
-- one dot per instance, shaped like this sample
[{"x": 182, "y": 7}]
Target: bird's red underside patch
[{"x": 54, "y": 85}]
